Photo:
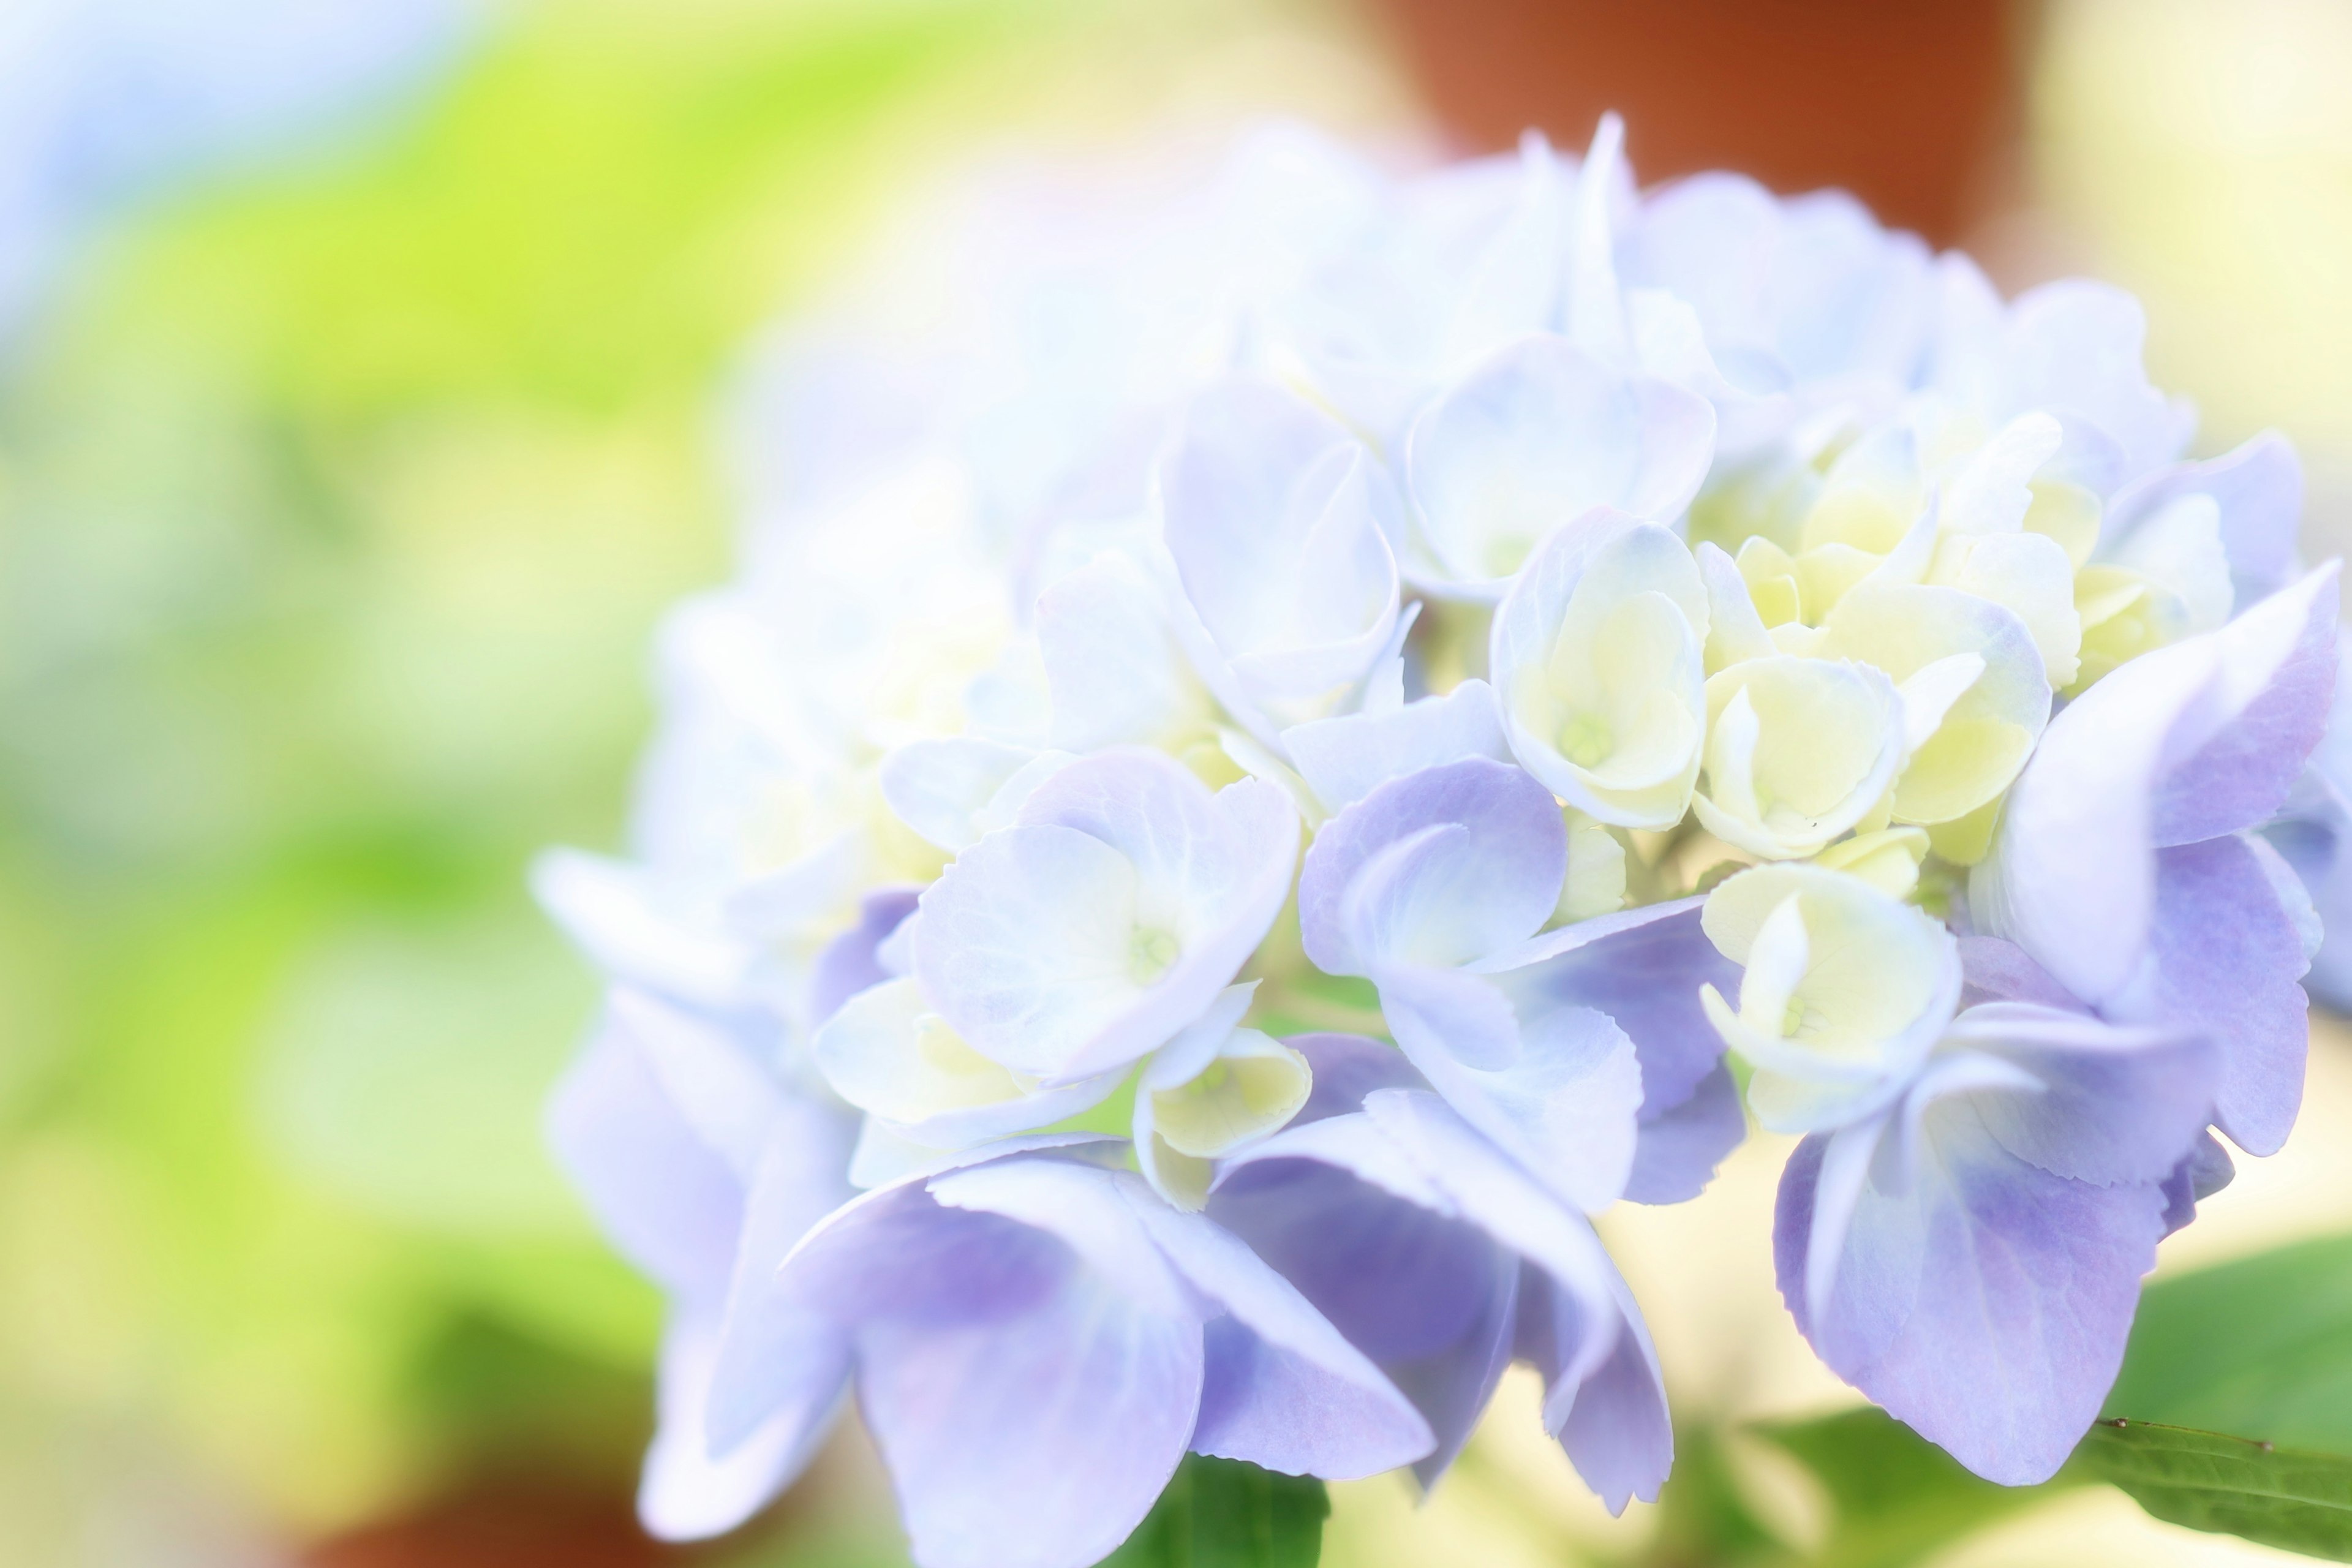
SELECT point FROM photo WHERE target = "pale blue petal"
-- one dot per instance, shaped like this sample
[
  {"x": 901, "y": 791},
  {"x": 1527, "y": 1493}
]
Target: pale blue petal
[
  {"x": 2258, "y": 487},
  {"x": 1643, "y": 968},
  {"x": 1611, "y": 1420},
  {"x": 937, "y": 786},
  {"x": 669, "y": 1203},
  {"x": 2073, "y": 347},
  {"x": 1030, "y": 1409},
  {"x": 684, "y": 1493},
  {"x": 612, "y": 911},
  {"x": 1563, "y": 1105},
  {"x": 1283, "y": 1388},
  {"x": 1428, "y": 1299},
  {"x": 2115, "y": 1104},
  {"x": 1677, "y": 1151},
  {"x": 777, "y": 1361},
  {"x": 850, "y": 962},
  {"x": 707, "y": 1074},
  {"x": 1984, "y": 1301},
  {"x": 1345, "y": 759},
  {"x": 2224, "y": 956},
  {"x": 1439, "y": 867},
  {"x": 1026, "y": 944},
  {"x": 1534, "y": 437}
]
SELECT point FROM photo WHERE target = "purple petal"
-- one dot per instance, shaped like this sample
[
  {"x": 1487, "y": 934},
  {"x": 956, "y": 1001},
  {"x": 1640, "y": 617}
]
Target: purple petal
[
  {"x": 1983, "y": 1302},
  {"x": 1677, "y": 1151},
  {"x": 670, "y": 1203},
  {"x": 847, "y": 965},
  {"x": 1564, "y": 1106},
  {"x": 1451, "y": 1013},
  {"x": 1490, "y": 1188},
  {"x": 2315, "y": 838},
  {"x": 2254, "y": 752},
  {"x": 778, "y": 1363},
  {"x": 1644, "y": 971},
  {"x": 2193, "y": 740},
  {"x": 685, "y": 1494},
  {"x": 1408, "y": 1231},
  {"x": 2224, "y": 954},
  {"x": 1345, "y": 759},
  {"x": 1088, "y": 1208},
  {"x": 1030, "y": 1408},
  {"x": 1997, "y": 970},
  {"x": 1283, "y": 1388},
  {"x": 1613, "y": 1423},
  {"x": 2113, "y": 1105},
  {"x": 1347, "y": 1068},
  {"x": 1430, "y": 1299},
  {"x": 1440, "y": 866},
  {"x": 1498, "y": 1197},
  {"x": 1031, "y": 1438},
  {"x": 2202, "y": 1172},
  {"x": 2258, "y": 487}
]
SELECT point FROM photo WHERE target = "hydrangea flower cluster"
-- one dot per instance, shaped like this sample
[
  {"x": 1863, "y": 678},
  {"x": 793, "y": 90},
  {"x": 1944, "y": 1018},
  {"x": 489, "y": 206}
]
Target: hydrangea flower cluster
[{"x": 1310, "y": 737}]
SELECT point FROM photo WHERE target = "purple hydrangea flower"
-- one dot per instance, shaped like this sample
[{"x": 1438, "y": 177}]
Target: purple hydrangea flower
[
  {"x": 2125, "y": 865},
  {"x": 1037, "y": 1339},
  {"x": 1443, "y": 1260},
  {"x": 703, "y": 1168},
  {"x": 1435, "y": 886}
]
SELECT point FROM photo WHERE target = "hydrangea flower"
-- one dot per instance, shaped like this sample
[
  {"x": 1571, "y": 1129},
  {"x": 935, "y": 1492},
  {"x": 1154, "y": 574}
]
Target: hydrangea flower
[
  {"x": 1397, "y": 712},
  {"x": 1036, "y": 1339}
]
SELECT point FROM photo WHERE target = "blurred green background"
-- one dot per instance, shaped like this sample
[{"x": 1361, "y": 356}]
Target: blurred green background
[{"x": 341, "y": 477}]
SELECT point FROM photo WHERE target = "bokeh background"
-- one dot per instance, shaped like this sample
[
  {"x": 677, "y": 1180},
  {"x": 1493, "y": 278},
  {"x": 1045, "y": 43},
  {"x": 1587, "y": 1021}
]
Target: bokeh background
[{"x": 364, "y": 374}]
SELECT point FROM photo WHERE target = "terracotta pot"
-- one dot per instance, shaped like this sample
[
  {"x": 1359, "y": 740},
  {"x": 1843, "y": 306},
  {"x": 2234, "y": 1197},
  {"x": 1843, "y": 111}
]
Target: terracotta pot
[
  {"x": 527, "y": 1523},
  {"x": 1906, "y": 103}
]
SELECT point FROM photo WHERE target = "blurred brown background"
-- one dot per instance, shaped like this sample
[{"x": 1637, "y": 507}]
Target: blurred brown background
[{"x": 1913, "y": 105}]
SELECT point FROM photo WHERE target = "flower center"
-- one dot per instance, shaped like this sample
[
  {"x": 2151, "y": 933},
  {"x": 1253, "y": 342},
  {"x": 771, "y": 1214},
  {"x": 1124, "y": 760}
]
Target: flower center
[
  {"x": 1586, "y": 741},
  {"x": 1150, "y": 953}
]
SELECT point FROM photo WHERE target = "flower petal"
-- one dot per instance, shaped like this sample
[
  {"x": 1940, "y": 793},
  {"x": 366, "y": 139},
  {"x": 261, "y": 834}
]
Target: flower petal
[
  {"x": 1564, "y": 1106},
  {"x": 1535, "y": 436},
  {"x": 1284, "y": 1389},
  {"x": 1427, "y": 1298},
  {"x": 1984, "y": 1302},
  {"x": 2115, "y": 1104},
  {"x": 1597, "y": 654},
  {"x": 686, "y": 1494},
  {"x": 668, "y": 1202},
  {"x": 2258, "y": 487},
  {"x": 1108, "y": 918},
  {"x": 1440, "y": 866},
  {"x": 2224, "y": 954},
  {"x": 1345, "y": 759}
]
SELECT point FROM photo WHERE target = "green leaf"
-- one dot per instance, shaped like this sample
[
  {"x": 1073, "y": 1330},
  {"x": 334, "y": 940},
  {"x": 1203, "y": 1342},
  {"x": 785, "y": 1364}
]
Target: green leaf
[
  {"x": 1223, "y": 1513},
  {"x": 1701, "y": 1515},
  {"x": 2279, "y": 1497},
  {"x": 1897, "y": 1498},
  {"x": 2261, "y": 1346}
]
